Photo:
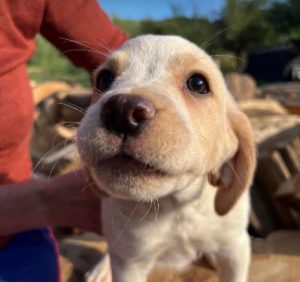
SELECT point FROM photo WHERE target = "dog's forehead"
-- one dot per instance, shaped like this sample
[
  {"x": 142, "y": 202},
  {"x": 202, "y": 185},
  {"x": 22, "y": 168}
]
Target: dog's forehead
[
  {"x": 153, "y": 45},
  {"x": 155, "y": 52}
]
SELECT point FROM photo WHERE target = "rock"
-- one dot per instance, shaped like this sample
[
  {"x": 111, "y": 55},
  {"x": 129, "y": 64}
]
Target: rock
[
  {"x": 287, "y": 93},
  {"x": 272, "y": 267},
  {"x": 289, "y": 193},
  {"x": 276, "y": 258},
  {"x": 79, "y": 254},
  {"x": 285, "y": 242},
  {"x": 59, "y": 108},
  {"x": 241, "y": 86},
  {"x": 46, "y": 89},
  {"x": 261, "y": 107},
  {"x": 194, "y": 273},
  {"x": 73, "y": 106}
]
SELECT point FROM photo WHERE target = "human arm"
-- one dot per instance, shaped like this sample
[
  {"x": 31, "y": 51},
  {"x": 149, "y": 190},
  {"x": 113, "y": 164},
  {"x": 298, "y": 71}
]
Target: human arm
[
  {"x": 81, "y": 30},
  {"x": 60, "y": 201}
]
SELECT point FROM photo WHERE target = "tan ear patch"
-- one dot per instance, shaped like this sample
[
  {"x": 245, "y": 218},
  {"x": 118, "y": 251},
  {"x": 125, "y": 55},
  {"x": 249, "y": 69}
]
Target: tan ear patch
[{"x": 236, "y": 174}]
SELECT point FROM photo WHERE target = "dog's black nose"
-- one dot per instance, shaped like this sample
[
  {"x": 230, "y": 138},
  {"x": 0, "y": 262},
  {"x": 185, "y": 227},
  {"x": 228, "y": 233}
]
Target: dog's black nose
[{"x": 127, "y": 114}]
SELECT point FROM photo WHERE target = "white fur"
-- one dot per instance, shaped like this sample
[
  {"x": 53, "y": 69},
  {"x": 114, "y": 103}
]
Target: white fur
[{"x": 171, "y": 220}]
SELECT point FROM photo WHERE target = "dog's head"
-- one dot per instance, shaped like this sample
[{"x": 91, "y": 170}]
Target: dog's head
[{"x": 163, "y": 118}]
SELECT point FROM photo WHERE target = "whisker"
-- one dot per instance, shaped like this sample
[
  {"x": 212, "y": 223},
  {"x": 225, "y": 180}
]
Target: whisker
[
  {"x": 47, "y": 154},
  {"x": 150, "y": 206},
  {"x": 157, "y": 209},
  {"x": 120, "y": 212},
  {"x": 98, "y": 92},
  {"x": 89, "y": 47},
  {"x": 126, "y": 224},
  {"x": 234, "y": 172},
  {"x": 86, "y": 50},
  {"x": 97, "y": 44},
  {"x": 53, "y": 167},
  {"x": 229, "y": 57},
  {"x": 86, "y": 187},
  {"x": 56, "y": 162},
  {"x": 208, "y": 41},
  {"x": 74, "y": 107},
  {"x": 111, "y": 212},
  {"x": 69, "y": 123}
]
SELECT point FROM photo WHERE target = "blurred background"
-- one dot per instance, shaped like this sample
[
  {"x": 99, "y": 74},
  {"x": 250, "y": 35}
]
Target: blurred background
[
  {"x": 244, "y": 34},
  {"x": 256, "y": 43}
]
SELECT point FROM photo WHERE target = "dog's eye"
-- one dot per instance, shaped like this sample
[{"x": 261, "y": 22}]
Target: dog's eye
[
  {"x": 104, "y": 80},
  {"x": 198, "y": 84}
]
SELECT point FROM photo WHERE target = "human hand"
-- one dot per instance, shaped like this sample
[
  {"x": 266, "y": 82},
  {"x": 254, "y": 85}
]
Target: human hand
[{"x": 72, "y": 202}]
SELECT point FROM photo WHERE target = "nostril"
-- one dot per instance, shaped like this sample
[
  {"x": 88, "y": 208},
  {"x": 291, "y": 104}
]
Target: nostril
[
  {"x": 127, "y": 114},
  {"x": 143, "y": 112}
]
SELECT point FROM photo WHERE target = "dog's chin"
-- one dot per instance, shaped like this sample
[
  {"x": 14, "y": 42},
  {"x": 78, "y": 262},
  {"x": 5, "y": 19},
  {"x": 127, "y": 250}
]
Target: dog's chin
[{"x": 124, "y": 177}]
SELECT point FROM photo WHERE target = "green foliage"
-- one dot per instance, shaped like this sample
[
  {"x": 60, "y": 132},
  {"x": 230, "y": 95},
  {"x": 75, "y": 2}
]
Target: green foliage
[
  {"x": 49, "y": 64},
  {"x": 131, "y": 27},
  {"x": 242, "y": 26},
  {"x": 201, "y": 31},
  {"x": 246, "y": 25},
  {"x": 284, "y": 17},
  {"x": 197, "y": 30}
]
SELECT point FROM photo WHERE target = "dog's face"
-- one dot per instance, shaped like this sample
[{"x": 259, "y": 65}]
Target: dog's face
[{"x": 164, "y": 117}]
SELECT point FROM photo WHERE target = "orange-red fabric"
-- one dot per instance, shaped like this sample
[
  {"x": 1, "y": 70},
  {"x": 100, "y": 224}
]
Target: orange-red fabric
[{"x": 61, "y": 22}]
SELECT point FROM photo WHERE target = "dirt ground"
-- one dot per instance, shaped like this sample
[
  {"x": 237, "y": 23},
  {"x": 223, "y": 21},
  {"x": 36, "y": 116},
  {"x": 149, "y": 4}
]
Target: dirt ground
[{"x": 276, "y": 258}]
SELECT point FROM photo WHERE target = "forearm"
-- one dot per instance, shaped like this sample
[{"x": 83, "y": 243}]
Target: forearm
[
  {"x": 22, "y": 207},
  {"x": 60, "y": 201},
  {"x": 71, "y": 202},
  {"x": 87, "y": 42}
]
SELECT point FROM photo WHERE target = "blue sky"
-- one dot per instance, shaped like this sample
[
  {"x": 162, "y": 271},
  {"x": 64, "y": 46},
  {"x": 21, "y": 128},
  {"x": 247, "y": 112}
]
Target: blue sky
[{"x": 160, "y": 9}]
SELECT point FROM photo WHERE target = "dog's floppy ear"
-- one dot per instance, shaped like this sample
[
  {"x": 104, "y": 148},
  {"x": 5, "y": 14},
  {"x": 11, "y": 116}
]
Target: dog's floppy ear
[{"x": 235, "y": 175}]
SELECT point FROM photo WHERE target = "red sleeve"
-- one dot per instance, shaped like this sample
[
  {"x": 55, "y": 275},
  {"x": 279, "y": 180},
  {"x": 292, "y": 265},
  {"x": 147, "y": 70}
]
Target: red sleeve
[{"x": 84, "y": 22}]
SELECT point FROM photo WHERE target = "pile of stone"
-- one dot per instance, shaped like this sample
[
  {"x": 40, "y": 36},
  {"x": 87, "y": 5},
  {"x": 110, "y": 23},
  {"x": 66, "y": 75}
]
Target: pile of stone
[
  {"x": 275, "y": 193},
  {"x": 275, "y": 258},
  {"x": 59, "y": 108},
  {"x": 272, "y": 111}
]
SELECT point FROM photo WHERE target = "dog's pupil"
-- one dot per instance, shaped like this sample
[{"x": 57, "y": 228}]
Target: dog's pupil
[
  {"x": 198, "y": 84},
  {"x": 105, "y": 80}
]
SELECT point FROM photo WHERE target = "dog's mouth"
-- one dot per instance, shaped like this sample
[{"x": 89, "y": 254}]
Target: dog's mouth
[
  {"x": 124, "y": 176},
  {"x": 124, "y": 163}
]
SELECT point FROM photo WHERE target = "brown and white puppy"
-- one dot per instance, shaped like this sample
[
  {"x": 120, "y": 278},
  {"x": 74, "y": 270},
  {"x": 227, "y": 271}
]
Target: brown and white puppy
[{"x": 167, "y": 143}]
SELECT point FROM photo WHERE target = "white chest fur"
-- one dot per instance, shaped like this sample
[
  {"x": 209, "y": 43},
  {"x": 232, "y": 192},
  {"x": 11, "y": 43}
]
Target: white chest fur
[{"x": 172, "y": 231}]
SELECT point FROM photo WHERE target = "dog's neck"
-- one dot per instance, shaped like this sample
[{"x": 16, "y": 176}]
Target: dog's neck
[{"x": 196, "y": 192}]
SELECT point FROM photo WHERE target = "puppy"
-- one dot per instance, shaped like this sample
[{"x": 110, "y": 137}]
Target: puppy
[{"x": 167, "y": 143}]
